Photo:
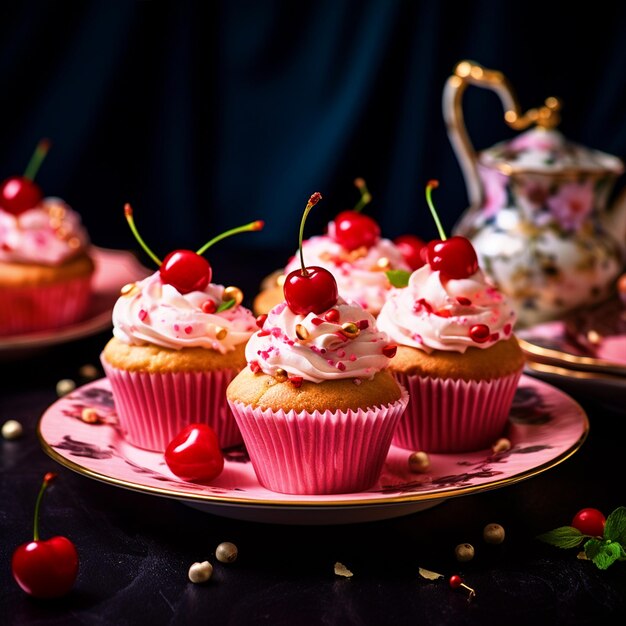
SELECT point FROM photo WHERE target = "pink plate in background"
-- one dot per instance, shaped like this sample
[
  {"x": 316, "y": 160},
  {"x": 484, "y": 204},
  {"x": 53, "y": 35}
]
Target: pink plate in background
[
  {"x": 114, "y": 268},
  {"x": 546, "y": 427}
]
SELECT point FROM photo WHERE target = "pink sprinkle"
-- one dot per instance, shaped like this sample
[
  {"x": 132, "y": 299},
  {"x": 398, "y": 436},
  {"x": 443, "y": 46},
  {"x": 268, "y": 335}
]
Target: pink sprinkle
[
  {"x": 494, "y": 337},
  {"x": 363, "y": 324},
  {"x": 352, "y": 357},
  {"x": 417, "y": 337},
  {"x": 330, "y": 362},
  {"x": 290, "y": 342},
  {"x": 142, "y": 314},
  {"x": 264, "y": 354},
  {"x": 341, "y": 353},
  {"x": 341, "y": 366},
  {"x": 463, "y": 301},
  {"x": 176, "y": 327},
  {"x": 323, "y": 351},
  {"x": 276, "y": 332},
  {"x": 357, "y": 381},
  {"x": 315, "y": 349},
  {"x": 188, "y": 329},
  {"x": 507, "y": 329},
  {"x": 316, "y": 321}
]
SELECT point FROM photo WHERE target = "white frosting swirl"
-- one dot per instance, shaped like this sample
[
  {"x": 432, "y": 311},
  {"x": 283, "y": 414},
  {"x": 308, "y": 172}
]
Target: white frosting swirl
[
  {"x": 432, "y": 314},
  {"x": 155, "y": 313},
  {"x": 47, "y": 234},
  {"x": 358, "y": 274},
  {"x": 326, "y": 353}
]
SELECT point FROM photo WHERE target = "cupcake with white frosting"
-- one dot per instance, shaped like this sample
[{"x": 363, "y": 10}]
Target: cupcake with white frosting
[
  {"x": 316, "y": 404},
  {"x": 178, "y": 341},
  {"x": 45, "y": 262},
  {"x": 457, "y": 356}
]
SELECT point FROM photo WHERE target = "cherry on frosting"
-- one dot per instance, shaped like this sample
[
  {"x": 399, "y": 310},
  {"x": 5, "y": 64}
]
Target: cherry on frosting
[
  {"x": 453, "y": 257},
  {"x": 353, "y": 229},
  {"x": 411, "y": 248},
  {"x": 309, "y": 289},
  {"x": 20, "y": 193},
  {"x": 186, "y": 270}
]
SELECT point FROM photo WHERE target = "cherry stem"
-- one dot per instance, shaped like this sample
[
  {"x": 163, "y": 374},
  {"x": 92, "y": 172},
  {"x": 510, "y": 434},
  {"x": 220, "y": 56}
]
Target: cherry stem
[
  {"x": 128, "y": 213},
  {"x": 47, "y": 479},
  {"x": 37, "y": 159},
  {"x": 252, "y": 226},
  {"x": 313, "y": 200},
  {"x": 433, "y": 184},
  {"x": 366, "y": 197}
]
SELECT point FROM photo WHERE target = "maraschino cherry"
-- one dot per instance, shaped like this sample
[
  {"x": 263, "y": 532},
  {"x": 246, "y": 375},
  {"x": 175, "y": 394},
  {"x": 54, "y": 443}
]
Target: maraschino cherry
[
  {"x": 354, "y": 230},
  {"x": 411, "y": 248},
  {"x": 20, "y": 193},
  {"x": 589, "y": 521},
  {"x": 454, "y": 257},
  {"x": 310, "y": 289},
  {"x": 194, "y": 454},
  {"x": 45, "y": 568},
  {"x": 186, "y": 270}
]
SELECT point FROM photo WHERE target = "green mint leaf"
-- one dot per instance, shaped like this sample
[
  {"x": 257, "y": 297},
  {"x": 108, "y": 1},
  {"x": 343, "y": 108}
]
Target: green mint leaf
[
  {"x": 603, "y": 553},
  {"x": 615, "y": 527},
  {"x": 398, "y": 278},
  {"x": 563, "y": 537},
  {"x": 228, "y": 304}
]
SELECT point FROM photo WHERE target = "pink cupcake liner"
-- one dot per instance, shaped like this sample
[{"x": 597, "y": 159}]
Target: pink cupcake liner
[
  {"x": 153, "y": 408},
  {"x": 319, "y": 452},
  {"x": 30, "y": 309},
  {"x": 447, "y": 416}
]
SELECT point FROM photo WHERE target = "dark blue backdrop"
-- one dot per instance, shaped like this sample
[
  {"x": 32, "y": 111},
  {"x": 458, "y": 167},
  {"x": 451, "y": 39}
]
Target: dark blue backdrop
[{"x": 205, "y": 115}]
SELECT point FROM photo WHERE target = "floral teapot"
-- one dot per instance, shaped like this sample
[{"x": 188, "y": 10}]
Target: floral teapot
[{"x": 538, "y": 216}]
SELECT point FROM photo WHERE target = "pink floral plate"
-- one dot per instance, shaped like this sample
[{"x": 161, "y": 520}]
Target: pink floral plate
[
  {"x": 546, "y": 427},
  {"x": 114, "y": 268}
]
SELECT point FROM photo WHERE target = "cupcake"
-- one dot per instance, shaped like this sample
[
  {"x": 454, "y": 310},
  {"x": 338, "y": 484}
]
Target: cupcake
[
  {"x": 45, "y": 265},
  {"x": 457, "y": 354},
  {"x": 178, "y": 340},
  {"x": 353, "y": 252},
  {"x": 316, "y": 405}
]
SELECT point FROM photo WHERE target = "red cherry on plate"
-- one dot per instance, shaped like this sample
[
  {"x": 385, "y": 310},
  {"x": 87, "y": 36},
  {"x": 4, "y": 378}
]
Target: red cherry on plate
[
  {"x": 354, "y": 230},
  {"x": 194, "y": 454},
  {"x": 45, "y": 568},
  {"x": 411, "y": 248},
  {"x": 186, "y": 271},
  {"x": 313, "y": 292},
  {"x": 18, "y": 194},
  {"x": 590, "y": 522},
  {"x": 454, "y": 258}
]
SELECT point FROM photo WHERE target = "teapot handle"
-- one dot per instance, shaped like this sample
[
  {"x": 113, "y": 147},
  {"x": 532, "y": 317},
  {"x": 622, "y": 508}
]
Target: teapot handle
[{"x": 470, "y": 73}]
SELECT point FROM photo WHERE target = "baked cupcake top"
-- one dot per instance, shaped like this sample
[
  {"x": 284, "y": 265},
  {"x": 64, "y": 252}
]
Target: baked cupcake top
[
  {"x": 152, "y": 312},
  {"x": 434, "y": 312},
  {"x": 50, "y": 233},
  {"x": 360, "y": 273},
  {"x": 341, "y": 343}
]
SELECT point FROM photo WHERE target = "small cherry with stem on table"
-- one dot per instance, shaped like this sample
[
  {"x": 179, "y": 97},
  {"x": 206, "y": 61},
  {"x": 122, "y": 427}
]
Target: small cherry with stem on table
[
  {"x": 186, "y": 270},
  {"x": 45, "y": 568},
  {"x": 20, "y": 193},
  {"x": 309, "y": 289}
]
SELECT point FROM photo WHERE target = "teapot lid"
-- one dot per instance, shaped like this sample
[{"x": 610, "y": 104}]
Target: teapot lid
[{"x": 546, "y": 151}]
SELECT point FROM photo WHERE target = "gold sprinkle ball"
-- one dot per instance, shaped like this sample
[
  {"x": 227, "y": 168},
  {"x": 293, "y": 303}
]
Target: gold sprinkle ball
[
  {"x": 502, "y": 445},
  {"x": 88, "y": 371},
  {"x": 89, "y": 416},
  {"x": 419, "y": 462},
  {"x": 350, "y": 329},
  {"x": 301, "y": 332},
  {"x": 220, "y": 333},
  {"x": 233, "y": 293},
  {"x": 226, "y": 552},
  {"x": 128, "y": 289},
  {"x": 12, "y": 429}
]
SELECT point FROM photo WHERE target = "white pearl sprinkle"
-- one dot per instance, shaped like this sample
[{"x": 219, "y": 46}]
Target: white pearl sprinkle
[
  {"x": 65, "y": 386},
  {"x": 200, "y": 572},
  {"x": 12, "y": 429}
]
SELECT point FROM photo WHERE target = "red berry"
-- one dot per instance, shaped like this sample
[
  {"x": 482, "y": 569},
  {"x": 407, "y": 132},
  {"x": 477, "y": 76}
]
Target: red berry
[
  {"x": 390, "y": 350},
  {"x": 332, "y": 316},
  {"x": 479, "y": 333},
  {"x": 45, "y": 568},
  {"x": 260, "y": 320},
  {"x": 186, "y": 271},
  {"x": 353, "y": 230},
  {"x": 455, "y": 581},
  {"x": 314, "y": 292},
  {"x": 194, "y": 454},
  {"x": 455, "y": 257},
  {"x": 208, "y": 307},
  {"x": 18, "y": 194},
  {"x": 411, "y": 248},
  {"x": 590, "y": 522}
]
